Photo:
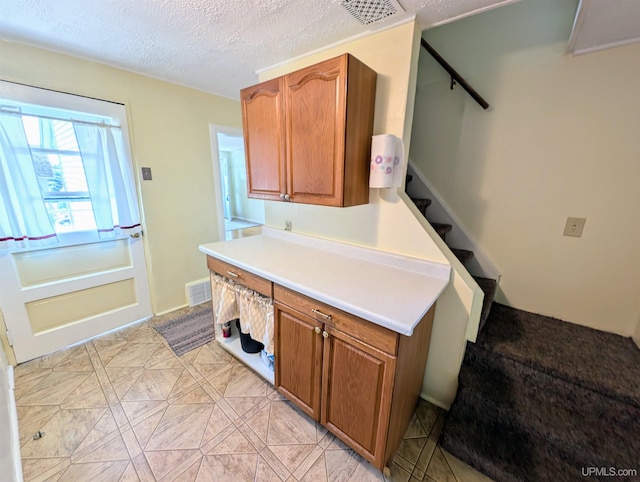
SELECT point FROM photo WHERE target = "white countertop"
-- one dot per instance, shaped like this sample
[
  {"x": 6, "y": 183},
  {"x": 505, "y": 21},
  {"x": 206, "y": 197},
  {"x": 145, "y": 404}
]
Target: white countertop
[{"x": 390, "y": 290}]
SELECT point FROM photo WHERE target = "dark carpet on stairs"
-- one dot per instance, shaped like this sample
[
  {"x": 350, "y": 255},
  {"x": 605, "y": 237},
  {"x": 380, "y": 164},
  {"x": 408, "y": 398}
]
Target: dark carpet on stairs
[
  {"x": 594, "y": 359},
  {"x": 542, "y": 399}
]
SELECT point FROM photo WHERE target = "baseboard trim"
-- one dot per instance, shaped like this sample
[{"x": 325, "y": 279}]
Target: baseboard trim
[
  {"x": 13, "y": 427},
  {"x": 435, "y": 401}
]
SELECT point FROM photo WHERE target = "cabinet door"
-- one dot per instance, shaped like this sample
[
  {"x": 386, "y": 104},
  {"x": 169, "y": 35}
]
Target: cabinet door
[
  {"x": 315, "y": 125},
  {"x": 263, "y": 126},
  {"x": 357, "y": 387},
  {"x": 298, "y": 358}
]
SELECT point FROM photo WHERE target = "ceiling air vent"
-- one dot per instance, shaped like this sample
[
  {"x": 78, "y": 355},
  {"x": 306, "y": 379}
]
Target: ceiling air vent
[{"x": 369, "y": 11}]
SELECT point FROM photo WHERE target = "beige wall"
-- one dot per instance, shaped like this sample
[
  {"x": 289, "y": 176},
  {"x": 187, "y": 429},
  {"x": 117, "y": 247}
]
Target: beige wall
[
  {"x": 561, "y": 139},
  {"x": 390, "y": 222},
  {"x": 169, "y": 129}
]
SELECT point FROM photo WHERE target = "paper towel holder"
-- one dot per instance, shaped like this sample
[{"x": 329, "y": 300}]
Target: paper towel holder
[{"x": 387, "y": 162}]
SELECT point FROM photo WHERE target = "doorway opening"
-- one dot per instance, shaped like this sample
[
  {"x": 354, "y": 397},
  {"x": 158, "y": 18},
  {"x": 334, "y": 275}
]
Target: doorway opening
[{"x": 238, "y": 216}]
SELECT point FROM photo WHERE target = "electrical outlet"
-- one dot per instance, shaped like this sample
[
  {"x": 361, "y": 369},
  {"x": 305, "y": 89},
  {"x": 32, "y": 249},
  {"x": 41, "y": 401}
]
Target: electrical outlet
[
  {"x": 287, "y": 225},
  {"x": 574, "y": 227},
  {"x": 146, "y": 174}
]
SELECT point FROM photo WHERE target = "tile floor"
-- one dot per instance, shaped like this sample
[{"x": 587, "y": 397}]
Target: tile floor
[{"x": 123, "y": 407}]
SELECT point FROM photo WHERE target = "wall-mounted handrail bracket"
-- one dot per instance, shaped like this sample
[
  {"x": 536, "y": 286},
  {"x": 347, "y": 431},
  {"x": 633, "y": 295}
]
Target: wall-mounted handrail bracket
[{"x": 456, "y": 78}]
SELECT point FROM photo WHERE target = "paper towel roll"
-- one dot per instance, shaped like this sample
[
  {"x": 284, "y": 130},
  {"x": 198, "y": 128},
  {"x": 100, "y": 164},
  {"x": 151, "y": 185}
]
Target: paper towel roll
[{"x": 387, "y": 154}]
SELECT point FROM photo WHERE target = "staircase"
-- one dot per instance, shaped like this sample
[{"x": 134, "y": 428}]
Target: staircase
[
  {"x": 542, "y": 399},
  {"x": 487, "y": 285}
]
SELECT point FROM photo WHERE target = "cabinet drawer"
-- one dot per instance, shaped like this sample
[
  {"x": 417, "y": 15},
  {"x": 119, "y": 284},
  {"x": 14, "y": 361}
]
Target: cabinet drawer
[
  {"x": 365, "y": 331},
  {"x": 240, "y": 276}
]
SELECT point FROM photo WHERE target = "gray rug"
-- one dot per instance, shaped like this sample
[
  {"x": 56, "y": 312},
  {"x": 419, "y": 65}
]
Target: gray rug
[{"x": 188, "y": 332}]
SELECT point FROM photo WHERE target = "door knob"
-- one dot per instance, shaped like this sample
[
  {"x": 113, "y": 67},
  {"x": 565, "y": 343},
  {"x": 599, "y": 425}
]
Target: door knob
[
  {"x": 325, "y": 334},
  {"x": 317, "y": 330}
]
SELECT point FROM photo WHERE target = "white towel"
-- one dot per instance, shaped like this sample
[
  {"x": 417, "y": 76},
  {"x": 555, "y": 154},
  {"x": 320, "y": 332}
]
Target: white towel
[
  {"x": 232, "y": 301},
  {"x": 223, "y": 297},
  {"x": 256, "y": 317}
]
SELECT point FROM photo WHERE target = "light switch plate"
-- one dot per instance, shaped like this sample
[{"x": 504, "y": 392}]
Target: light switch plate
[
  {"x": 574, "y": 227},
  {"x": 146, "y": 174}
]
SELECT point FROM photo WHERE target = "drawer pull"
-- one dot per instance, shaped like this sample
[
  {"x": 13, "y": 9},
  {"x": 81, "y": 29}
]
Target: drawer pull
[
  {"x": 317, "y": 330},
  {"x": 233, "y": 275},
  {"x": 320, "y": 313},
  {"x": 325, "y": 334}
]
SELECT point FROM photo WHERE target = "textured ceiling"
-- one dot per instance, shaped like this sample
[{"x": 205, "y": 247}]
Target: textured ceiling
[
  {"x": 605, "y": 23},
  {"x": 212, "y": 45}
]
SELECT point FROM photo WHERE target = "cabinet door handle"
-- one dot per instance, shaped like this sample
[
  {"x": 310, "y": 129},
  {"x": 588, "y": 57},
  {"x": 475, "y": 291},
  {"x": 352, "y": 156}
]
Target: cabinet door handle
[
  {"x": 317, "y": 330},
  {"x": 287, "y": 197},
  {"x": 282, "y": 195},
  {"x": 325, "y": 334},
  {"x": 320, "y": 313},
  {"x": 233, "y": 275}
]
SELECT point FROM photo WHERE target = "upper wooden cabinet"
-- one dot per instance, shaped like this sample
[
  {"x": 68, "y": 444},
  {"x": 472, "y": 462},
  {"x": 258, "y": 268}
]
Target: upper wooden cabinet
[
  {"x": 308, "y": 134},
  {"x": 263, "y": 125}
]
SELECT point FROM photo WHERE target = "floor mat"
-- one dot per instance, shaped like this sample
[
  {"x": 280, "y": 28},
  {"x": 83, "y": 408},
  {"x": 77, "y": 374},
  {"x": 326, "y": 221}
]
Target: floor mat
[{"x": 189, "y": 331}]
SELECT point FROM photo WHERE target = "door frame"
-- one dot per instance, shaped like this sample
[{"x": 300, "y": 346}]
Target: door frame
[{"x": 214, "y": 130}]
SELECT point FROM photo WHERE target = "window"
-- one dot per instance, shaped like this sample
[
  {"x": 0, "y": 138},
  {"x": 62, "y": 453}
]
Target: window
[
  {"x": 65, "y": 174},
  {"x": 60, "y": 172}
]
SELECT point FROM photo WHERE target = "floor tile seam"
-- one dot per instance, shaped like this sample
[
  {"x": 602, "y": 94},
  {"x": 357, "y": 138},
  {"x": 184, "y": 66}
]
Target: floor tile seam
[
  {"x": 171, "y": 475},
  {"x": 52, "y": 468},
  {"x": 99, "y": 365},
  {"x": 311, "y": 463},
  {"x": 412, "y": 464},
  {"x": 122, "y": 399},
  {"x": 206, "y": 425},
  {"x": 427, "y": 430},
  {"x": 177, "y": 470},
  {"x": 446, "y": 459},
  {"x": 84, "y": 396},
  {"x": 97, "y": 358},
  {"x": 23, "y": 422},
  {"x": 18, "y": 404},
  {"x": 145, "y": 415},
  {"x": 203, "y": 384},
  {"x": 93, "y": 427},
  {"x": 266, "y": 460},
  {"x": 435, "y": 424},
  {"x": 107, "y": 439},
  {"x": 124, "y": 440},
  {"x": 143, "y": 447}
]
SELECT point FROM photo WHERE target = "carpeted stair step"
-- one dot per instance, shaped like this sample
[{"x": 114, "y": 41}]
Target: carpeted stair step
[
  {"x": 442, "y": 229},
  {"x": 464, "y": 255},
  {"x": 422, "y": 205},
  {"x": 603, "y": 362},
  {"x": 516, "y": 423},
  {"x": 489, "y": 286}
]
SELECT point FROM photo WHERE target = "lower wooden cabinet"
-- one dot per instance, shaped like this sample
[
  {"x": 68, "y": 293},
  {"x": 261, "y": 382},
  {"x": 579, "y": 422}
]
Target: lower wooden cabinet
[
  {"x": 356, "y": 393},
  {"x": 361, "y": 383},
  {"x": 298, "y": 377}
]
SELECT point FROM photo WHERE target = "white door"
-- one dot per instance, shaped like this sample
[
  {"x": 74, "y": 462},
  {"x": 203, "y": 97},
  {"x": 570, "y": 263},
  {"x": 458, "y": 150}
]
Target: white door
[
  {"x": 84, "y": 284},
  {"x": 54, "y": 297}
]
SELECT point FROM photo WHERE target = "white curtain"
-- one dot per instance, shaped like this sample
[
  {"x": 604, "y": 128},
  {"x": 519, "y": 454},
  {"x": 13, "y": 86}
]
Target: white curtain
[
  {"x": 24, "y": 221},
  {"x": 109, "y": 179}
]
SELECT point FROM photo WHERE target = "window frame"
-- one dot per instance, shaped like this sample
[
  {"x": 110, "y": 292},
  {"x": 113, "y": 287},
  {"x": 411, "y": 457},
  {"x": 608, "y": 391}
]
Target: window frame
[{"x": 41, "y": 102}]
